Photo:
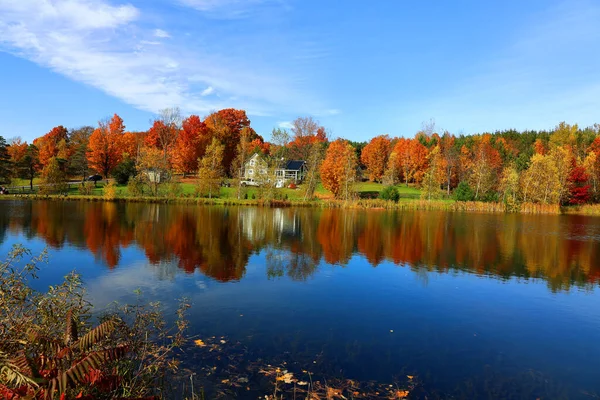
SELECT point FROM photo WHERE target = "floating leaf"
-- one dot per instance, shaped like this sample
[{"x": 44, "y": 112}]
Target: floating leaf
[{"x": 199, "y": 343}]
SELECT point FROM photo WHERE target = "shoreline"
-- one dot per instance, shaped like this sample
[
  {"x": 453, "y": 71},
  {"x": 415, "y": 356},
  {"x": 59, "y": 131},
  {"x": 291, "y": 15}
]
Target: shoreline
[{"x": 366, "y": 204}]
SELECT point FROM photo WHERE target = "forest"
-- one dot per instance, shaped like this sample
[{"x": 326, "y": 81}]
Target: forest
[{"x": 560, "y": 166}]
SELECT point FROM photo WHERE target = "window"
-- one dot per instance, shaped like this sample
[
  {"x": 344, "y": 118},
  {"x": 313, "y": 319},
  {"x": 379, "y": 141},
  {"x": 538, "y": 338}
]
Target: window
[
  {"x": 250, "y": 172},
  {"x": 263, "y": 171},
  {"x": 252, "y": 163}
]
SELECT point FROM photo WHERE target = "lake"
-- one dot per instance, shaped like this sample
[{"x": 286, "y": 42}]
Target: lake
[{"x": 470, "y": 305}]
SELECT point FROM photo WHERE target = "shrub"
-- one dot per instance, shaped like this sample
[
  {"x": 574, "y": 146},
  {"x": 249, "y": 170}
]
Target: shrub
[
  {"x": 135, "y": 187},
  {"x": 123, "y": 171},
  {"x": 390, "y": 193},
  {"x": 86, "y": 188},
  {"x": 463, "y": 192},
  {"x": 173, "y": 189},
  {"x": 110, "y": 190},
  {"x": 49, "y": 348}
]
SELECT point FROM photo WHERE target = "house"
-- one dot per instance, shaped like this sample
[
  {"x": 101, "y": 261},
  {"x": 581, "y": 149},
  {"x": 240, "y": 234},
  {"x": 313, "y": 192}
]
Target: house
[{"x": 257, "y": 169}]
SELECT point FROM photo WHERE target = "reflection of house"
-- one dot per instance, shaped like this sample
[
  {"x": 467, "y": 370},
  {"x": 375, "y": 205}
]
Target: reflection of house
[{"x": 289, "y": 171}]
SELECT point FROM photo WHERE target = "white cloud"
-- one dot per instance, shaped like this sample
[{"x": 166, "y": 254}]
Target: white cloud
[
  {"x": 226, "y": 9},
  {"x": 77, "y": 14},
  {"x": 208, "y": 91},
  {"x": 159, "y": 33},
  {"x": 103, "y": 45},
  {"x": 285, "y": 125}
]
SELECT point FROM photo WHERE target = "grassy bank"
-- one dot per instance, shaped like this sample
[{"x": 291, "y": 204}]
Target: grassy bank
[{"x": 366, "y": 198}]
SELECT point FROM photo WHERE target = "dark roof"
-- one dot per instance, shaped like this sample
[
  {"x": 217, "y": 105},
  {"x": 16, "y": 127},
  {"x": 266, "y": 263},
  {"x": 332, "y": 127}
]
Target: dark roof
[{"x": 294, "y": 165}]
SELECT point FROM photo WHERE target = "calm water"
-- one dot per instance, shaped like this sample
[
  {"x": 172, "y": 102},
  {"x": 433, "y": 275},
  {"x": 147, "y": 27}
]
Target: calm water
[{"x": 473, "y": 305}]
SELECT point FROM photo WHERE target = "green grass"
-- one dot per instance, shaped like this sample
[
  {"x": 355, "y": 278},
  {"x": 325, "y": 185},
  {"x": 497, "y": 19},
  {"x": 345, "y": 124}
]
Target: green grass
[{"x": 365, "y": 190}]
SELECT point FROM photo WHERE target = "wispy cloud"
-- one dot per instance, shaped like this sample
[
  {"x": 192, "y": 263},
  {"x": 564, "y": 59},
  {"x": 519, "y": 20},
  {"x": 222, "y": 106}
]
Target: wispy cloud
[
  {"x": 226, "y": 9},
  {"x": 208, "y": 91},
  {"x": 110, "y": 47},
  {"x": 159, "y": 33},
  {"x": 285, "y": 125}
]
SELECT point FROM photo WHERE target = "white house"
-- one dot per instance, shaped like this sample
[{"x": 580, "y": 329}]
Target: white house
[{"x": 292, "y": 171}]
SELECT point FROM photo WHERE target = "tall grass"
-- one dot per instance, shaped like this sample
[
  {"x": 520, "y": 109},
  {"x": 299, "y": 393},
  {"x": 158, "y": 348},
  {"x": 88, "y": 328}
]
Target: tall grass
[{"x": 404, "y": 204}]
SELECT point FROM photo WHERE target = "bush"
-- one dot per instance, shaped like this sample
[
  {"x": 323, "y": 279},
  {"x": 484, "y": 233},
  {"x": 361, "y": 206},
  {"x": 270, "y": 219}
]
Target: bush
[
  {"x": 463, "y": 192},
  {"x": 110, "y": 190},
  {"x": 390, "y": 193},
  {"x": 86, "y": 188},
  {"x": 127, "y": 353},
  {"x": 123, "y": 171},
  {"x": 174, "y": 189},
  {"x": 135, "y": 187}
]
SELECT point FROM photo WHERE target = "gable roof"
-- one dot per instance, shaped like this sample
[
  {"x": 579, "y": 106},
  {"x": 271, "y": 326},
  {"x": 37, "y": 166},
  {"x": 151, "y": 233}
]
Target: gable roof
[{"x": 294, "y": 165}]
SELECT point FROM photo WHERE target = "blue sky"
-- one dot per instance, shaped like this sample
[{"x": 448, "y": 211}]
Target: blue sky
[{"x": 360, "y": 68}]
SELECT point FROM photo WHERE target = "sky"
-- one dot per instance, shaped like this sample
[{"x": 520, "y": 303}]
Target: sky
[{"x": 360, "y": 68}]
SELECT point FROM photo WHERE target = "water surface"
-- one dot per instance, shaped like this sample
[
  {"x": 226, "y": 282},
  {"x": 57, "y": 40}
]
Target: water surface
[{"x": 474, "y": 305}]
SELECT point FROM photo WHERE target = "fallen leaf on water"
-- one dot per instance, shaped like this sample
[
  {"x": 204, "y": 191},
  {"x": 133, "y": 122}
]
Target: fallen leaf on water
[
  {"x": 199, "y": 343},
  {"x": 410, "y": 377},
  {"x": 287, "y": 377},
  {"x": 223, "y": 342},
  {"x": 402, "y": 394},
  {"x": 225, "y": 381},
  {"x": 334, "y": 393},
  {"x": 302, "y": 383}
]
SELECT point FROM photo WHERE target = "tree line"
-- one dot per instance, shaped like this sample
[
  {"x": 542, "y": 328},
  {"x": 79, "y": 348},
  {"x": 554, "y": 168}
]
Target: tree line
[{"x": 559, "y": 166}]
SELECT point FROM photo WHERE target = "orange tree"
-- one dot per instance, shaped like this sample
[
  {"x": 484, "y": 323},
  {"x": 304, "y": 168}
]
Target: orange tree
[{"x": 338, "y": 170}]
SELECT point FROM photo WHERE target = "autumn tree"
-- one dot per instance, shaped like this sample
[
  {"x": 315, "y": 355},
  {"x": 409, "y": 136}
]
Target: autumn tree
[
  {"x": 592, "y": 169},
  {"x": 312, "y": 178},
  {"x": 105, "y": 146},
  {"x": 226, "y": 126},
  {"x": 449, "y": 159},
  {"x": 164, "y": 131},
  {"x": 152, "y": 168},
  {"x": 280, "y": 138},
  {"x": 540, "y": 183},
  {"x": 579, "y": 188},
  {"x": 306, "y": 131},
  {"x": 16, "y": 150},
  {"x": 190, "y": 145},
  {"x": 375, "y": 157},
  {"x": 211, "y": 169},
  {"x": 416, "y": 161},
  {"x": 338, "y": 170},
  {"x": 434, "y": 176},
  {"x": 564, "y": 135},
  {"x": 53, "y": 144},
  {"x": 54, "y": 176},
  {"x": 243, "y": 152},
  {"x": 485, "y": 166}
]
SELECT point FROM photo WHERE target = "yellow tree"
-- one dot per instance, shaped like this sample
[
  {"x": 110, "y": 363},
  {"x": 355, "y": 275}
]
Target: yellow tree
[
  {"x": 211, "y": 169},
  {"x": 338, "y": 170},
  {"x": 153, "y": 168},
  {"x": 434, "y": 176},
  {"x": 592, "y": 168},
  {"x": 540, "y": 183},
  {"x": 509, "y": 184}
]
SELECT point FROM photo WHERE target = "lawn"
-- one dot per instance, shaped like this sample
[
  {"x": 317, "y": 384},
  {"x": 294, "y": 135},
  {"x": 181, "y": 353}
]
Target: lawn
[{"x": 365, "y": 190}]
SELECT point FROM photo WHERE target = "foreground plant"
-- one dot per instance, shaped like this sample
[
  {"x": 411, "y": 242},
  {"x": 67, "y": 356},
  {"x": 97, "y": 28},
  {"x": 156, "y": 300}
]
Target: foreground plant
[{"x": 50, "y": 350}]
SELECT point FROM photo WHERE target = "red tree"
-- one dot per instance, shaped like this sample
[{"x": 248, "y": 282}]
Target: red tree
[
  {"x": 190, "y": 145},
  {"x": 579, "y": 190},
  {"x": 226, "y": 125}
]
